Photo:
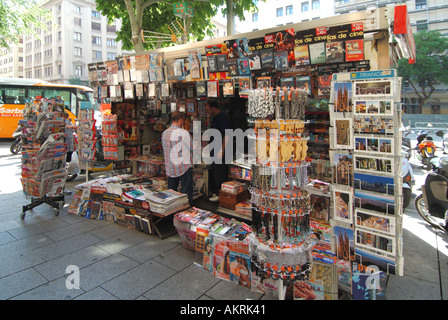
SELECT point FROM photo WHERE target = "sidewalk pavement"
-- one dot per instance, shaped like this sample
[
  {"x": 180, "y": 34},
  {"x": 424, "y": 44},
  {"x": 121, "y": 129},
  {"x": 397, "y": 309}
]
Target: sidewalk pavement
[{"x": 124, "y": 264}]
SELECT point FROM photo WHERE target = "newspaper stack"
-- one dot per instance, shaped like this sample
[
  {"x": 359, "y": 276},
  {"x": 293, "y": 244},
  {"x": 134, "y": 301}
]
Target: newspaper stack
[{"x": 167, "y": 202}]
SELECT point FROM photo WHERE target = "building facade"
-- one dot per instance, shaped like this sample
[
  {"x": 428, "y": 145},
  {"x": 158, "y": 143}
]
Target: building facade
[
  {"x": 274, "y": 13},
  {"x": 423, "y": 15},
  {"x": 11, "y": 61},
  {"x": 77, "y": 36}
]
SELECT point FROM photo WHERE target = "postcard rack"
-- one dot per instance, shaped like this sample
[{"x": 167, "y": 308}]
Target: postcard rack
[
  {"x": 44, "y": 150},
  {"x": 280, "y": 240},
  {"x": 365, "y": 152}
]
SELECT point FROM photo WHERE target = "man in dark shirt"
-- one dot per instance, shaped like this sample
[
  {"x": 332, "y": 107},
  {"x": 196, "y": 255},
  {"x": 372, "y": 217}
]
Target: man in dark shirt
[{"x": 220, "y": 122}]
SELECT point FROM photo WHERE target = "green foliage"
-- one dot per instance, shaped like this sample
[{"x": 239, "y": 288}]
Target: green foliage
[
  {"x": 430, "y": 66},
  {"x": 431, "y": 62},
  {"x": 19, "y": 18},
  {"x": 159, "y": 14}
]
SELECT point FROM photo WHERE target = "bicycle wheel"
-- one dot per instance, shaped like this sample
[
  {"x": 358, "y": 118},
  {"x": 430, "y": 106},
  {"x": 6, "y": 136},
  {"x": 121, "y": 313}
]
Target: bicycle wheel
[{"x": 423, "y": 212}]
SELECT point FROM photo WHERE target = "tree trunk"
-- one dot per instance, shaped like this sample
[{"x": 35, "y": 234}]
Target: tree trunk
[
  {"x": 135, "y": 19},
  {"x": 230, "y": 18},
  {"x": 423, "y": 96}
]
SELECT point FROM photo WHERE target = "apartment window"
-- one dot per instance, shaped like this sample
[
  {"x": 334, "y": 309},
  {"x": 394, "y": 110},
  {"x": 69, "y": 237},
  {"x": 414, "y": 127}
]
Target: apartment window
[
  {"x": 111, "y": 55},
  {"x": 48, "y": 71},
  {"x": 279, "y": 12},
  {"x": 78, "y": 51},
  {"x": 420, "y": 4},
  {"x": 315, "y": 5},
  {"x": 37, "y": 56},
  {"x": 77, "y": 9},
  {"x": 96, "y": 40},
  {"x": 48, "y": 53},
  {"x": 38, "y": 73},
  {"x": 77, "y": 36},
  {"x": 96, "y": 14},
  {"x": 288, "y": 10},
  {"x": 422, "y": 25},
  {"x": 48, "y": 39},
  {"x": 59, "y": 35},
  {"x": 254, "y": 17},
  {"x": 96, "y": 54},
  {"x": 305, "y": 6},
  {"x": 78, "y": 70},
  {"x": 111, "y": 42},
  {"x": 37, "y": 43},
  {"x": 59, "y": 50},
  {"x": 77, "y": 21},
  {"x": 111, "y": 28},
  {"x": 96, "y": 26}
]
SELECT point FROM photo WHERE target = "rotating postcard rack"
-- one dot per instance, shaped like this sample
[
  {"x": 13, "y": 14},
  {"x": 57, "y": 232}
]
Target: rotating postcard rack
[
  {"x": 367, "y": 196},
  {"x": 43, "y": 154},
  {"x": 280, "y": 239}
]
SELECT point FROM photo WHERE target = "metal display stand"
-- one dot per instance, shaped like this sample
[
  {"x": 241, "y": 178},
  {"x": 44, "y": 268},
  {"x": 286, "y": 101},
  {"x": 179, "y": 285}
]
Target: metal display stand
[
  {"x": 57, "y": 202},
  {"x": 375, "y": 96}
]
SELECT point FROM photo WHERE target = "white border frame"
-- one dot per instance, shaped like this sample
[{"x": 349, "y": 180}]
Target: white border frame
[
  {"x": 361, "y": 245},
  {"x": 350, "y": 130},
  {"x": 350, "y": 205},
  {"x": 358, "y": 84},
  {"x": 391, "y": 223},
  {"x": 377, "y": 152},
  {"x": 360, "y": 170},
  {"x": 378, "y": 101}
]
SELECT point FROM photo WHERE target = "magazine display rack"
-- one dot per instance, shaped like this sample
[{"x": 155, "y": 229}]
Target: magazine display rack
[
  {"x": 86, "y": 137},
  {"x": 43, "y": 155},
  {"x": 365, "y": 144},
  {"x": 280, "y": 240}
]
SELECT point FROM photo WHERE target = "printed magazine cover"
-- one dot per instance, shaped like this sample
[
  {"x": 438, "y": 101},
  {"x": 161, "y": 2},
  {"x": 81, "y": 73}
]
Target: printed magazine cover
[
  {"x": 221, "y": 259},
  {"x": 239, "y": 263}
]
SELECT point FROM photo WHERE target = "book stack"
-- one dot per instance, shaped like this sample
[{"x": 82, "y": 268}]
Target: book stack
[
  {"x": 245, "y": 208},
  {"x": 233, "y": 187}
]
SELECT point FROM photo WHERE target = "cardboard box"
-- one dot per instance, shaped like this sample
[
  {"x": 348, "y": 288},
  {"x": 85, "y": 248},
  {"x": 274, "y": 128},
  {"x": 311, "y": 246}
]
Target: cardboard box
[{"x": 230, "y": 200}]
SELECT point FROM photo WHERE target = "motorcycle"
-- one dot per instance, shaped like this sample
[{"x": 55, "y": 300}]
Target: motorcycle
[
  {"x": 407, "y": 175},
  {"x": 16, "y": 145},
  {"x": 426, "y": 155},
  {"x": 432, "y": 203},
  {"x": 444, "y": 140}
]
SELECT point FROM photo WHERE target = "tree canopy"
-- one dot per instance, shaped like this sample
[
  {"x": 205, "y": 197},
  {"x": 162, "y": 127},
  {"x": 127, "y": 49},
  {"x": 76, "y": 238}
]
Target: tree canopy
[
  {"x": 156, "y": 16},
  {"x": 430, "y": 68},
  {"x": 20, "y": 18}
]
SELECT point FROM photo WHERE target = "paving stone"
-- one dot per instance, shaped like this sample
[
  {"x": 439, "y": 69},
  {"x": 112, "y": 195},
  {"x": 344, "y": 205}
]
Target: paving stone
[
  {"x": 63, "y": 247},
  {"x": 54, "y": 290},
  {"x": 104, "y": 270},
  {"x": 19, "y": 282},
  {"x": 56, "y": 268},
  {"x": 132, "y": 284},
  {"x": 189, "y": 284},
  {"x": 96, "y": 294}
]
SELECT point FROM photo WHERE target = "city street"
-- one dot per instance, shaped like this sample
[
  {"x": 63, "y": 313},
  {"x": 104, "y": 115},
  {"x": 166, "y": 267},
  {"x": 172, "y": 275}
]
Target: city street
[{"x": 32, "y": 248}]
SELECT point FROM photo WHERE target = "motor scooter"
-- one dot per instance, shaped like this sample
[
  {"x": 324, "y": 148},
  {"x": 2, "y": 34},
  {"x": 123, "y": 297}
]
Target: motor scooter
[
  {"x": 16, "y": 145},
  {"x": 426, "y": 155},
  {"x": 408, "y": 176},
  {"x": 432, "y": 203}
]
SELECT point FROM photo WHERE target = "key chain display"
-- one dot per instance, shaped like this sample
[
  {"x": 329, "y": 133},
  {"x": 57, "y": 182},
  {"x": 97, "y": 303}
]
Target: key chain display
[{"x": 280, "y": 239}]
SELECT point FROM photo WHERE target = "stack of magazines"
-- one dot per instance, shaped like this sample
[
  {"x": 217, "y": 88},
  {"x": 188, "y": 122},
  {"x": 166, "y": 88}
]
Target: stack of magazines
[
  {"x": 167, "y": 201},
  {"x": 44, "y": 150}
]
